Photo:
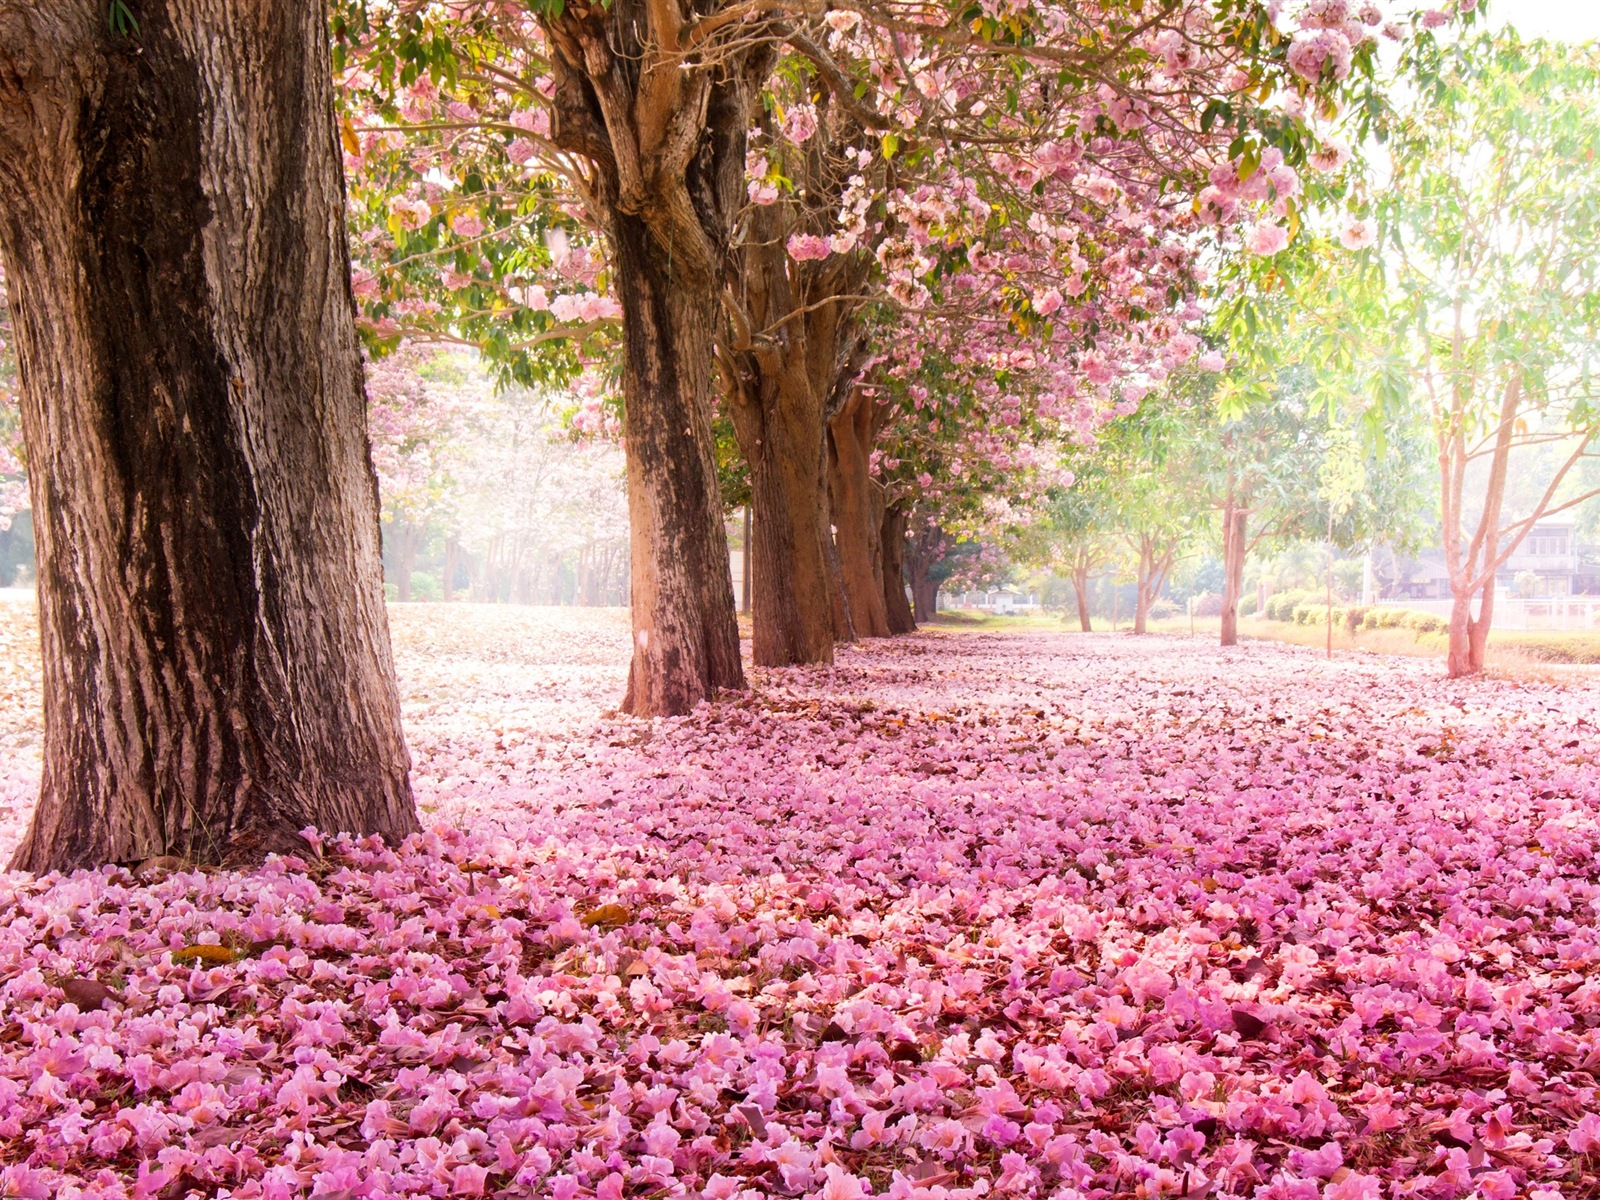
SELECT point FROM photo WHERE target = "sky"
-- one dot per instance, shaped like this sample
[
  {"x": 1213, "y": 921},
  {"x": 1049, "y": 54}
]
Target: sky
[{"x": 1569, "y": 20}]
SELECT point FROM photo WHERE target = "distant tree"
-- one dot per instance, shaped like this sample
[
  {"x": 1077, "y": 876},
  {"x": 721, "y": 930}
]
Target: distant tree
[{"x": 1489, "y": 220}]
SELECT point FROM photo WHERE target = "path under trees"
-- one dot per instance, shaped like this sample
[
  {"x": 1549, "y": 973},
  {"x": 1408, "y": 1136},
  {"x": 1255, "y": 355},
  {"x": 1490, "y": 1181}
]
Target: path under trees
[{"x": 1018, "y": 912}]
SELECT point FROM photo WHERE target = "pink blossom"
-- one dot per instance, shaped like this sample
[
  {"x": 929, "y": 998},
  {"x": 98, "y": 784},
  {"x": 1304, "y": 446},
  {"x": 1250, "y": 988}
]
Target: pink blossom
[
  {"x": 1266, "y": 239},
  {"x": 1358, "y": 233},
  {"x": 805, "y": 246}
]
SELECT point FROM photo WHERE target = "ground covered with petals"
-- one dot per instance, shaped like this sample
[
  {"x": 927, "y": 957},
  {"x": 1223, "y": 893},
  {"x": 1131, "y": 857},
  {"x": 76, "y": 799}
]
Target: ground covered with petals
[{"x": 967, "y": 914}]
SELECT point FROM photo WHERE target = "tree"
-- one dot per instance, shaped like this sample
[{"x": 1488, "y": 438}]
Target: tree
[
  {"x": 641, "y": 112},
  {"x": 1261, "y": 462},
  {"x": 1073, "y": 535},
  {"x": 1488, "y": 220},
  {"x": 216, "y": 654},
  {"x": 1150, "y": 453}
]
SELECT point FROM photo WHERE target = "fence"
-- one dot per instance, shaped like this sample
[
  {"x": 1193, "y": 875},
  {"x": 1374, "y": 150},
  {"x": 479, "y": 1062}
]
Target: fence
[{"x": 1510, "y": 612}]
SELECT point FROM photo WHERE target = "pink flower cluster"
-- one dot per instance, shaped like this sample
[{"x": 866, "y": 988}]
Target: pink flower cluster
[{"x": 965, "y": 915}]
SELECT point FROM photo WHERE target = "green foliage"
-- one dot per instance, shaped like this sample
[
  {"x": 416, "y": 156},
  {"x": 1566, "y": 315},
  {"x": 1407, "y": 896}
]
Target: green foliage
[{"x": 1281, "y": 605}]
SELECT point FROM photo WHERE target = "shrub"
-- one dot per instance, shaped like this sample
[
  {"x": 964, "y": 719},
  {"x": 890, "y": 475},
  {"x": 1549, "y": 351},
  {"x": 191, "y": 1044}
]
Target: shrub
[
  {"x": 1247, "y": 606},
  {"x": 1312, "y": 613},
  {"x": 425, "y": 586},
  {"x": 1354, "y": 616},
  {"x": 1163, "y": 608},
  {"x": 1425, "y": 622},
  {"x": 1208, "y": 604},
  {"x": 1282, "y": 605}
]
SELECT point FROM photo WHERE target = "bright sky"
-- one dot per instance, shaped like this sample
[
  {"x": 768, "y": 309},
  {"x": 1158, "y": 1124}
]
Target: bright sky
[{"x": 1567, "y": 20}]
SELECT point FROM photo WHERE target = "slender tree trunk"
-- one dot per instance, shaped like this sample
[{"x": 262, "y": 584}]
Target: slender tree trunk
[
  {"x": 1142, "y": 589},
  {"x": 923, "y": 552},
  {"x": 844, "y": 625},
  {"x": 892, "y": 541},
  {"x": 406, "y": 536},
  {"x": 1234, "y": 546},
  {"x": 857, "y": 503},
  {"x": 1080, "y": 589},
  {"x": 686, "y": 638},
  {"x": 1469, "y": 637},
  {"x": 217, "y": 673},
  {"x": 452, "y": 556}
]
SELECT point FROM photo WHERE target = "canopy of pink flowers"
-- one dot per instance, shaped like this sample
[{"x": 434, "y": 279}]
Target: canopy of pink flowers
[{"x": 966, "y": 915}]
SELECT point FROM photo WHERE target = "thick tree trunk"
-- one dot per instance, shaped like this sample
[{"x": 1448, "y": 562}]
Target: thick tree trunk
[
  {"x": 778, "y": 362},
  {"x": 777, "y": 417},
  {"x": 664, "y": 135},
  {"x": 1234, "y": 547},
  {"x": 216, "y": 652},
  {"x": 924, "y": 552},
  {"x": 892, "y": 543},
  {"x": 857, "y": 505},
  {"x": 686, "y": 638}
]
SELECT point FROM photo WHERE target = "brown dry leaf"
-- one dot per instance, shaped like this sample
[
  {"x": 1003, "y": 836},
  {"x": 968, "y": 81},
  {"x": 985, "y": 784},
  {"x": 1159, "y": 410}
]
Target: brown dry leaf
[
  {"x": 608, "y": 916},
  {"x": 754, "y": 1118},
  {"x": 1248, "y": 1024},
  {"x": 87, "y": 994},
  {"x": 929, "y": 1174},
  {"x": 217, "y": 955},
  {"x": 160, "y": 865}
]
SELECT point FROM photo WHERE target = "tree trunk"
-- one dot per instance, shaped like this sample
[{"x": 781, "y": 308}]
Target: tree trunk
[
  {"x": 777, "y": 416},
  {"x": 844, "y": 625},
  {"x": 892, "y": 541},
  {"x": 217, "y": 673},
  {"x": 685, "y": 634},
  {"x": 1469, "y": 638},
  {"x": 1234, "y": 547},
  {"x": 745, "y": 582},
  {"x": 452, "y": 556},
  {"x": 664, "y": 134},
  {"x": 1080, "y": 589},
  {"x": 406, "y": 537},
  {"x": 857, "y": 502}
]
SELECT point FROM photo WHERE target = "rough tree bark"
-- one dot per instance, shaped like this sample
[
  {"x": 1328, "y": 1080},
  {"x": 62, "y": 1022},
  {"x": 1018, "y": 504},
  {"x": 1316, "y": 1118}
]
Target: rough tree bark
[
  {"x": 892, "y": 544},
  {"x": 776, "y": 367},
  {"x": 664, "y": 133},
  {"x": 217, "y": 672},
  {"x": 857, "y": 504}
]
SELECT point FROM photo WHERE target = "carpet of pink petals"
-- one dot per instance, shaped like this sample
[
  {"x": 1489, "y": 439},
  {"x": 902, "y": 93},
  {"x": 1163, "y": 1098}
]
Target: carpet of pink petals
[{"x": 965, "y": 915}]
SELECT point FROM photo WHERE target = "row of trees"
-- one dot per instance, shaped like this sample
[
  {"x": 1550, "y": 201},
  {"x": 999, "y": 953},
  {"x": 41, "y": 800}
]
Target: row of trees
[
  {"x": 1208, "y": 476},
  {"x": 756, "y": 191},
  {"x": 1461, "y": 336}
]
